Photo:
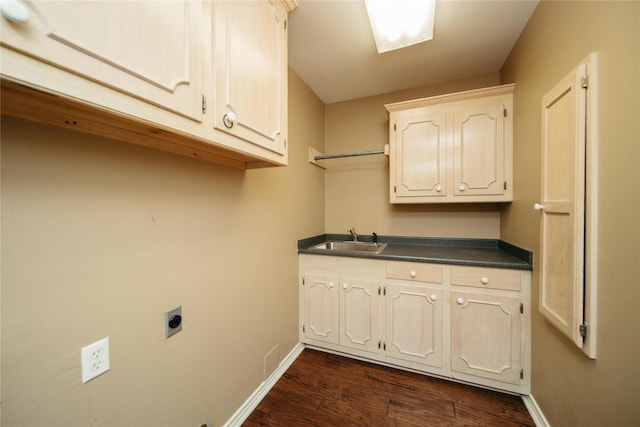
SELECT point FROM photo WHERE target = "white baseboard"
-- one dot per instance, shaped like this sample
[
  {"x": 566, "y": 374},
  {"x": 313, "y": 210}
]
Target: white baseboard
[
  {"x": 535, "y": 411},
  {"x": 250, "y": 404}
]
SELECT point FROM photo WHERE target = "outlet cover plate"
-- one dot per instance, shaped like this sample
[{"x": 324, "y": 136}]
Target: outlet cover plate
[
  {"x": 95, "y": 359},
  {"x": 168, "y": 315}
]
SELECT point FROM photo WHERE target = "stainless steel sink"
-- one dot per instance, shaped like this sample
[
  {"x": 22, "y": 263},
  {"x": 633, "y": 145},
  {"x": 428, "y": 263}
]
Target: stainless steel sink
[{"x": 351, "y": 246}]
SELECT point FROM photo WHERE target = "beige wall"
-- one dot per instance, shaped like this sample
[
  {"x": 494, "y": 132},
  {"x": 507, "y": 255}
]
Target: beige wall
[
  {"x": 357, "y": 189},
  {"x": 99, "y": 238},
  {"x": 571, "y": 389}
]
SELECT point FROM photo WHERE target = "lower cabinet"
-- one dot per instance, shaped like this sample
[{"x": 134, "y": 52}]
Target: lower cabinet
[
  {"x": 414, "y": 324},
  {"x": 320, "y": 308},
  {"x": 466, "y": 323},
  {"x": 360, "y": 314},
  {"x": 478, "y": 320}
]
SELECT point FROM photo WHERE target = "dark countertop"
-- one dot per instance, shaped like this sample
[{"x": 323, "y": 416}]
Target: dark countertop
[{"x": 472, "y": 252}]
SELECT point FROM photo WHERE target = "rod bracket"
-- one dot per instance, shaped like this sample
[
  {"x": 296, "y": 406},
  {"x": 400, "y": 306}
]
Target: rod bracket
[{"x": 313, "y": 153}]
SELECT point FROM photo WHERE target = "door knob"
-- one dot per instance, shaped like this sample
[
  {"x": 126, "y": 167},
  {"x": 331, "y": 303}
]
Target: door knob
[
  {"x": 229, "y": 119},
  {"x": 15, "y": 11}
]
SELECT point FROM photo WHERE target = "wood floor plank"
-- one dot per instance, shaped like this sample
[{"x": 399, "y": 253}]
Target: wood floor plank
[{"x": 321, "y": 390}]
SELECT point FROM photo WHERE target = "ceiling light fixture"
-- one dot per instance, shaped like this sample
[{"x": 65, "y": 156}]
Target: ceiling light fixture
[{"x": 400, "y": 23}]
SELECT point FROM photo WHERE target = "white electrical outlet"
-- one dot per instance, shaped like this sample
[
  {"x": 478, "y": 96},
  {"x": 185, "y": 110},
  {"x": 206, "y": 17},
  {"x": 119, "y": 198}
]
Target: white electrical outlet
[{"x": 95, "y": 359}]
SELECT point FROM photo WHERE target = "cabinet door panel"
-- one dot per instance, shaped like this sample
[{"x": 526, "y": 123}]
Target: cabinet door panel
[
  {"x": 485, "y": 336},
  {"x": 419, "y": 167},
  {"x": 321, "y": 308},
  {"x": 359, "y": 314},
  {"x": 414, "y": 324},
  {"x": 146, "y": 49},
  {"x": 478, "y": 149},
  {"x": 249, "y": 56},
  {"x": 562, "y": 284}
]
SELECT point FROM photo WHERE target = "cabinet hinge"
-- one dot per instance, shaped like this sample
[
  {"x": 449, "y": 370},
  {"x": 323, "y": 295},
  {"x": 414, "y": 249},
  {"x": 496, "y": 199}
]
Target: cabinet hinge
[
  {"x": 504, "y": 111},
  {"x": 521, "y": 374},
  {"x": 521, "y": 308},
  {"x": 583, "y": 330},
  {"x": 584, "y": 81},
  {"x": 204, "y": 104}
]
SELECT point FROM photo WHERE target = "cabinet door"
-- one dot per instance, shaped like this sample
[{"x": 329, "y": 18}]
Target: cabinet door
[
  {"x": 479, "y": 148},
  {"x": 414, "y": 324},
  {"x": 418, "y": 156},
  {"x": 562, "y": 278},
  {"x": 321, "y": 301},
  {"x": 359, "y": 314},
  {"x": 145, "y": 49},
  {"x": 485, "y": 336},
  {"x": 250, "y": 72}
]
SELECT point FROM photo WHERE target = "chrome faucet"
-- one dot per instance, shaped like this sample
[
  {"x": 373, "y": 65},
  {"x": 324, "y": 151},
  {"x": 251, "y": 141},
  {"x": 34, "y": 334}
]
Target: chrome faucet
[{"x": 352, "y": 230}]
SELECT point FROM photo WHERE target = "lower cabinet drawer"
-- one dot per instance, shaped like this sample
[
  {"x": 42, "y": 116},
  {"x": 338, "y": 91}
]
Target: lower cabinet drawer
[
  {"x": 414, "y": 272},
  {"x": 493, "y": 278}
]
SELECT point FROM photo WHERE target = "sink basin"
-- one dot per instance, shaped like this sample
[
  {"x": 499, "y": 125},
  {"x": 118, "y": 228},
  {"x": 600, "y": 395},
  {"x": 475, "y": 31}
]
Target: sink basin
[{"x": 350, "y": 246}]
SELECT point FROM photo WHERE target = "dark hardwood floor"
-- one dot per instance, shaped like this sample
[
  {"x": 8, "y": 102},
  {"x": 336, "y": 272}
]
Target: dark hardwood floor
[{"x": 321, "y": 389}]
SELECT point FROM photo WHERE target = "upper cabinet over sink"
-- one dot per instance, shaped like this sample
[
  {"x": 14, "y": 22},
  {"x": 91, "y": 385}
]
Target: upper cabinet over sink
[
  {"x": 198, "y": 78},
  {"x": 452, "y": 148}
]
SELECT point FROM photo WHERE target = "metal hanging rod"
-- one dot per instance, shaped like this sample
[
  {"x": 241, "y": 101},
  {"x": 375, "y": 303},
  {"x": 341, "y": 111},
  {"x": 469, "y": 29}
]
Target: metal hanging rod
[
  {"x": 315, "y": 156},
  {"x": 337, "y": 156}
]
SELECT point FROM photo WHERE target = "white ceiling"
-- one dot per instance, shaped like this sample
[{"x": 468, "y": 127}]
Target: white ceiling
[{"x": 331, "y": 46}]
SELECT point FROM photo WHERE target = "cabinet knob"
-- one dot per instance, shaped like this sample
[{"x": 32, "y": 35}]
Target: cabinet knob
[
  {"x": 460, "y": 301},
  {"x": 462, "y": 188},
  {"x": 229, "y": 119},
  {"x": 345, "y": 286},
  {"x": 439, "y": 188},
  {"x": 14, "y": 11},
  {"x": 484, "y": 280},
  {"x": 412, "y": 274},
  {"x": 538, "y": 207},
  {"x": 434, "y": 297},
  {"x": 331, "y": 284}
]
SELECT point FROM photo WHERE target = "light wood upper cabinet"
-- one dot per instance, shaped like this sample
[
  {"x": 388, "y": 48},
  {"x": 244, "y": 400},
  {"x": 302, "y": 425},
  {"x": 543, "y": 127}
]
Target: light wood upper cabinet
[
  {"x": 159, "y": 74},
  {"x": 452, "y": 148},
  {"x": 419, "y": 166},
  {"x": 147, "y": 50},
  {"x": 250, "y": 64}
]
